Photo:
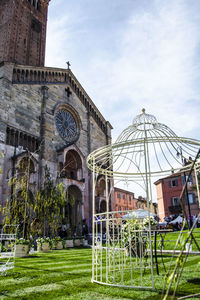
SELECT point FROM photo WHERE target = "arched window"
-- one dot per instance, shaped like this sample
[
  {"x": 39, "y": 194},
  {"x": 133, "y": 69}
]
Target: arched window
[
  {"x": 73, "y": 165},
  {"x": 101, "y": 187}
]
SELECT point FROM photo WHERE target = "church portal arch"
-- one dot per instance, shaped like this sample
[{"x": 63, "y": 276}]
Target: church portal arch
[{"x": 73, "y": 210}]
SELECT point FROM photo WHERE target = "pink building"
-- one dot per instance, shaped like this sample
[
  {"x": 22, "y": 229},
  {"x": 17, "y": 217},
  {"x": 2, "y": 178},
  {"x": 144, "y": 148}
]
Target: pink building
[
  {"x": 168, "y": 195},
  {"x": 125, "y": 200}
]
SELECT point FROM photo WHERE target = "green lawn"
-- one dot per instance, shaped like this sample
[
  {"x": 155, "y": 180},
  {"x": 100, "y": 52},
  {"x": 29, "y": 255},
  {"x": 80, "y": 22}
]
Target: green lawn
[
  {"x": 66, "y": 274},
  {"x": 171, "y": 238}
]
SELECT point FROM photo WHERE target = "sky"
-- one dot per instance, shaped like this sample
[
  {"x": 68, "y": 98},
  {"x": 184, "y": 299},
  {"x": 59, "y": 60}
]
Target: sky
[{"x": 132, "y": 54}]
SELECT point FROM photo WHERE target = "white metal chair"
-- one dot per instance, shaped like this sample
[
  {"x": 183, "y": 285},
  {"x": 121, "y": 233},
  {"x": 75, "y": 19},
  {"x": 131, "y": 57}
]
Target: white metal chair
[{"x": 7, "y": 256}]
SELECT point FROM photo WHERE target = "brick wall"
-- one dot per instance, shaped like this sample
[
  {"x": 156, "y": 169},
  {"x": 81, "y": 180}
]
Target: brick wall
[{"x": 23, "y": 32}]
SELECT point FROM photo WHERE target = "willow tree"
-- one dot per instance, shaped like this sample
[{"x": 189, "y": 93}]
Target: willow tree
[
  {"x": 36, "y": 213},
  {"x": 18, "y": 209},
  {"x": 48, "y": 205}
]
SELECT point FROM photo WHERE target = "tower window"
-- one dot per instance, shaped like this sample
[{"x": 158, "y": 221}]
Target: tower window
[
  {"x": 35, "y": 3},
  {"x": 36, "y": 26}
]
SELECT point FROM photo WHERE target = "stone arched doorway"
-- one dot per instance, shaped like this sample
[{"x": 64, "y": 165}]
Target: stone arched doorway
[{"x": 73, "y": 210}]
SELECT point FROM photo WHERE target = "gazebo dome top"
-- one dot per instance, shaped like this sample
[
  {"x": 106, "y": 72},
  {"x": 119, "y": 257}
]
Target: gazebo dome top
[
  {"x": 145, "y": 126},
  {"x": 145, "y": 147},
  {"x": 144, "y": 118}
]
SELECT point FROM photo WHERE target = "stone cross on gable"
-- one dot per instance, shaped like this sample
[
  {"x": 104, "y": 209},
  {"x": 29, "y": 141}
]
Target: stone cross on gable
[
  {"x": 68, "y": 64},
  {"x": 68, "y": 92}
]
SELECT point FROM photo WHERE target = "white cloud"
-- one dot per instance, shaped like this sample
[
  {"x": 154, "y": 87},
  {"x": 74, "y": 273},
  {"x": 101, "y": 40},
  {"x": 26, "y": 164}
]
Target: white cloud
[
  {"x": 58, "y": 36},
  {"x": 155, "y": 68},
  {"x": 147, "y": 60}
]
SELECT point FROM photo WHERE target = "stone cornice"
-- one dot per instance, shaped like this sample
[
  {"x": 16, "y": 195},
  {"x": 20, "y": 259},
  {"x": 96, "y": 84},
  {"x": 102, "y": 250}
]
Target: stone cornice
[{"x": 23, "y": 74}]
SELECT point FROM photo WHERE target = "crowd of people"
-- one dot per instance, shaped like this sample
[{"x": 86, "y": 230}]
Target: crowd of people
[{"x": 176, "y": 222}]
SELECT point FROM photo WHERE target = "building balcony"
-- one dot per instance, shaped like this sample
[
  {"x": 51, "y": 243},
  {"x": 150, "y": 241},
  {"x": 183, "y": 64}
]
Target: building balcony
[
  {"x": 174, "y": 209},
  {"x": 68, "y": 182}
]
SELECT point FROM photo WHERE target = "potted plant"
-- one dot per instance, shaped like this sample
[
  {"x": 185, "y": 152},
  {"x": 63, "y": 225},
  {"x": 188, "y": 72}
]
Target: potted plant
[
  {"x": 22, "y": 247},
  {"x": 85, "y": 242},
  {"x": 57, "y": 243},
  {"x": 133, "y": 240},
  {"x": 68, "y": 242},
  {"x": 150, "y": 222},
  {"x": 43, "y": 244},
  {"x": 77, "y": 241}
]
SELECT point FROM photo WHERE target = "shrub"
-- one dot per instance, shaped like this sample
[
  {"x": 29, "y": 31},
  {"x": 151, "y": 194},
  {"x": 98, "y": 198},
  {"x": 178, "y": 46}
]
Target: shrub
[
  {"x": 43, "y": 240},
  {"x": 22, "y": 241},
  {"x": 56, "y": 240},
  {"x": 133, "y": 238},
  {"x": 150, "y": 220}
]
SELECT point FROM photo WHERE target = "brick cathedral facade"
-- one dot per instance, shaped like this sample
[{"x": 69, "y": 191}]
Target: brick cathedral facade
[
  {"x": 44, "y": 112},
  {"x": 23, "y": 31}
]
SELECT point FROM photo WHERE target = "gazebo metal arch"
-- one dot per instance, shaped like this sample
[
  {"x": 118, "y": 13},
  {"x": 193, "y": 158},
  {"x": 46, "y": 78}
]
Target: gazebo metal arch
[{"x": 143, "y": 152}]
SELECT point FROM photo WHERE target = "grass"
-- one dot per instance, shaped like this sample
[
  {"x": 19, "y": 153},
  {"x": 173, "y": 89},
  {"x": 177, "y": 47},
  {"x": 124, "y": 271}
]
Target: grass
[
  {"x": 171, "y": 238},
  {"x": 66, "y": 274}
]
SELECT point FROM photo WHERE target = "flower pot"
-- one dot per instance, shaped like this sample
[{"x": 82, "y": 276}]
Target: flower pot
[
  {"x": 69, "y": 243},
  {"x": 21, "y": 250},
  {"x": 59, "y": 245},
  {"x": 85, "y": 243},
  {"x": 77, "y": 242},
  {"x": 44, "y": 247}
]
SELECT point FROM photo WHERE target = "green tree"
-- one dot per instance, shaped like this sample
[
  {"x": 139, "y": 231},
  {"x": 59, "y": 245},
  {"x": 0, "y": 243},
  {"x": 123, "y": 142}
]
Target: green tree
[
  {"x": 48, "y": 205},
  {"x": 40, "y": 213},
  {"x": 19, "y": 206}
]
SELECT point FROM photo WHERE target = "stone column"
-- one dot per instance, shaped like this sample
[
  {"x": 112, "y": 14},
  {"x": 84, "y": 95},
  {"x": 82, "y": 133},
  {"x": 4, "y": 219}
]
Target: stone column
[
  {"x": 42, "y": 134},
  {"x": 2, "y": 161},
  {"x": 89, "y": 173}
]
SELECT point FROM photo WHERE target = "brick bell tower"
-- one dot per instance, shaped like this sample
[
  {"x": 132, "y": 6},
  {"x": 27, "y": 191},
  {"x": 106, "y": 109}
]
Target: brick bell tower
[{"x": 23, "y": 31}]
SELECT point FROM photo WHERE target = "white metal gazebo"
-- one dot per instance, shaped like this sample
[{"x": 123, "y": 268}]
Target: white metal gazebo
[{"x": 143, "y": 152}]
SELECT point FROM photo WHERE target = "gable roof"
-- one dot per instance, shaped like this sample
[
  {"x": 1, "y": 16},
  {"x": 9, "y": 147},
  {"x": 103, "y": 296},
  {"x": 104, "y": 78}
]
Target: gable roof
[{"x": 57, "y": 76}]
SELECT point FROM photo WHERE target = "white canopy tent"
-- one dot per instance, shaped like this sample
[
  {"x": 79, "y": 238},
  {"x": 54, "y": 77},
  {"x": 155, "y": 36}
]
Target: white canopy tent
[
  {"x": 179, "y": 219},
  {"x": 138, "y": 214},
  {"x": 164, "y": 223}
]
